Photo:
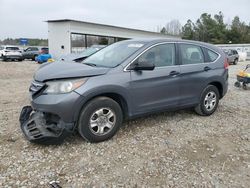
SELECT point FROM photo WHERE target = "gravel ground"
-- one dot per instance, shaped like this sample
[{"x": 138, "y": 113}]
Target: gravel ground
[{"x": 174, "y": 149}]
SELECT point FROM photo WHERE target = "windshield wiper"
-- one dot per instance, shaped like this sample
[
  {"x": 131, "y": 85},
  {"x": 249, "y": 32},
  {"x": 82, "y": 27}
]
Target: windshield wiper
[{"x": 90, "y": 64}]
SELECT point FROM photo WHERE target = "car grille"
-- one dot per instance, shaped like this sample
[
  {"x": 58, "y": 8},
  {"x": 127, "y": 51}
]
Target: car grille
[{"x": 36, "y": 87}]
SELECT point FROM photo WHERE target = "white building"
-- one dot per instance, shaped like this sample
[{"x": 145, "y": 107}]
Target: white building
[
  {"x": 69, "y": 36},
  {"x": 242, "y": 49}
]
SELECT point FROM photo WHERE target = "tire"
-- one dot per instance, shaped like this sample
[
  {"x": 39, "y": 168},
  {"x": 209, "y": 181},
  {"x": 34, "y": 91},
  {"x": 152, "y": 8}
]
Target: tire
[
  {"x": 244, "y": 86},
  {"x": 209, "y": 101},
  {"x": 100, "y": 119},
  {"x": 237, "y": 84},
  {"x": 235, "y": 62},
  {"x": 34, "y": 58}
]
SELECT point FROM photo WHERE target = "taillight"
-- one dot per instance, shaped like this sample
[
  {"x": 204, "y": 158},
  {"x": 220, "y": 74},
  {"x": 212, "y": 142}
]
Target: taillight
[{"x": 226, "y": 64}]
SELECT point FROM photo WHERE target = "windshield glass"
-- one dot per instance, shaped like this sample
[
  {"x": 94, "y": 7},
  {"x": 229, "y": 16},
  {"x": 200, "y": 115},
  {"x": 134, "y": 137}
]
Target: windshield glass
[
  {"x": 88, "y": 52},
  {"x": 12, "y": 48},
  {"x": 114, "y": 54}
]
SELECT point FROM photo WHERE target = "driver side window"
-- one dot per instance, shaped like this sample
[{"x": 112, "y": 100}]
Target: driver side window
[{"x": 161, "y": 55}]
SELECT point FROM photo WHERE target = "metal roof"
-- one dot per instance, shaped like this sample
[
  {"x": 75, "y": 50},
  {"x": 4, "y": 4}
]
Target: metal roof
[{"x": 105, "y": 25}]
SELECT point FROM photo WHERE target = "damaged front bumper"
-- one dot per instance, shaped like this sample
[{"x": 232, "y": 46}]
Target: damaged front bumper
[{"x": 44, "y": 128}]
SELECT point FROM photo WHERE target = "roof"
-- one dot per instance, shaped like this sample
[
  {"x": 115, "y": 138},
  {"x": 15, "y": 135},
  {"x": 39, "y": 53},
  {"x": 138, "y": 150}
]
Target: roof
[{"x": 105, "y": 25}]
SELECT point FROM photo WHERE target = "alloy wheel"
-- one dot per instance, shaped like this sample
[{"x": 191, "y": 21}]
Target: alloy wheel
[{"x": 102, "y": 121}]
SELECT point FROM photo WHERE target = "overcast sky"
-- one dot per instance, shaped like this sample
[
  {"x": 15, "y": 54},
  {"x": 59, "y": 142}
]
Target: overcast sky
[{"x": 25, "y": 18}]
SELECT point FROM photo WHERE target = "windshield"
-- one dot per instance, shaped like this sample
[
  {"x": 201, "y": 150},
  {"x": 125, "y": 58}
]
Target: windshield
[
  {"x": 89, "y": 51},
  {"x": 114, "y": 54},
  {"x": 12, "y": 48}
]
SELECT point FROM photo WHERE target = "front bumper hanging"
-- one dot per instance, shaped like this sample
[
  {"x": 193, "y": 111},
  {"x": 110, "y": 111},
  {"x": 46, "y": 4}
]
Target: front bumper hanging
[{"x": 43, "y": 128}]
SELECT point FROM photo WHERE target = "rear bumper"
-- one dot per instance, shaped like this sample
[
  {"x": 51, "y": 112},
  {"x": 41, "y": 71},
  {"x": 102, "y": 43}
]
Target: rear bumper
[
  {"x": 12, "y": 56},
  {"x": 43, "y": 128}
]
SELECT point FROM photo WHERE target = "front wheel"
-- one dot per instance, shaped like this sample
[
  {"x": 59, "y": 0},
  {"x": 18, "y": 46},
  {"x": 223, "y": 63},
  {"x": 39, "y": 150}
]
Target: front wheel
[
  {"x": 100, "y": 119},
  {"x": 208, "y": 102}
]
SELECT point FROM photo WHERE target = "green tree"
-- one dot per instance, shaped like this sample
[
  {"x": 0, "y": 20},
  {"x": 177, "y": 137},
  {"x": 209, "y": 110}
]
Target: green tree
[
  {"x": 214, "y": 30},
  {"x": 188, "y": 30},
  {"x": 163, "y": 30}
]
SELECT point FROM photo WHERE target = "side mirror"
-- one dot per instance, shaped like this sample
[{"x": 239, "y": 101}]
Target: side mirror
[{"x": 144, "y": 66}]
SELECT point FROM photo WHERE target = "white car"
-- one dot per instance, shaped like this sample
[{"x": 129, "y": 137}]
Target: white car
[{"x": 10, "y": 53}]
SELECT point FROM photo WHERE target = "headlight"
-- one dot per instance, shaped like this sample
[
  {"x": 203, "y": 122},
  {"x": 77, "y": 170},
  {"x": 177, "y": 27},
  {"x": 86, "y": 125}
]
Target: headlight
[{"x": 63, "y": 86}]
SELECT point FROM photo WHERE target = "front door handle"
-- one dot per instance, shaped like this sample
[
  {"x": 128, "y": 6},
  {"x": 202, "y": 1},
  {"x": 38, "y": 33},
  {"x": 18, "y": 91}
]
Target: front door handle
[
  {"x": 207, "y": 68},
  {"x": 174, "y": 73}
]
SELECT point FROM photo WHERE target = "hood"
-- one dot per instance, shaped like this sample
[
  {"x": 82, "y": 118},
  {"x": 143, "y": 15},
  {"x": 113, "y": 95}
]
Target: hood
[{"x": 60, "y": 70}]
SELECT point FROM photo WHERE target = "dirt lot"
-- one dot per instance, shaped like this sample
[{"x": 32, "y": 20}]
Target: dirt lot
[{"x": 176, "y": 149}]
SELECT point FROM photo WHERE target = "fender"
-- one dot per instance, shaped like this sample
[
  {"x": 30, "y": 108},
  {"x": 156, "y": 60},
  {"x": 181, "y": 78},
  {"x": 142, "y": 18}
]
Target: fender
[{"x": 102, "y": 91}]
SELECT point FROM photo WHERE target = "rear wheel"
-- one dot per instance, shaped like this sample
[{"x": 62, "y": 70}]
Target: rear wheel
[
  {"x": 100, "y": 119},
  {"x": 34, "y": 58},
  {"x": 208, "y": 102},
  {"x": 244, "y": 86},
  {"x": 235, "y": 61}
]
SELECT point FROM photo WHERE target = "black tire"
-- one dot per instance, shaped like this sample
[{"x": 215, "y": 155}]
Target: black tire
[
  {"x": 89, "y": 111},
  {"x": 237, "y": 84},
  {"x": 34, "y": 58},
  {"x": 235, "y": 62},
  {"x": 201, "y": 109},
  {"x": 244, "y": 86}
]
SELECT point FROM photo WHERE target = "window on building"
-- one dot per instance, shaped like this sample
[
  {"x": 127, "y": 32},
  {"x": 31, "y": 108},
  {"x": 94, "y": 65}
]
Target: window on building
[
  {"x": 99, "y": 40},
  {"x": 78, "y": 43}
]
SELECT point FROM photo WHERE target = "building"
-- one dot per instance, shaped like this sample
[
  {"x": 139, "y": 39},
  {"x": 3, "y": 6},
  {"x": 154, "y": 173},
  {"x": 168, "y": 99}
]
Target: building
[
  {"x": 242, "y": 49},
  {"x": 72, "y": 36}
]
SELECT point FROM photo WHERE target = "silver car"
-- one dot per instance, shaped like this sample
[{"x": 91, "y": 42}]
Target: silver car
[{"x": 10, "y": 53}]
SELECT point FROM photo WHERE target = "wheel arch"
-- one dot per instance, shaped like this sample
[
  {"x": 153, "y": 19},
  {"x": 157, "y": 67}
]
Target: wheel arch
[
  {"x": 120, "y": 99},
  {"x": 219, "y": 86}
]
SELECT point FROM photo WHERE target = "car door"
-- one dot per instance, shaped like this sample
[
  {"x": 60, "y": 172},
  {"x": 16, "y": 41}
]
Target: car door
[
  {"x": 159, "y": 88},
  {"x": 26, "y": 53},
  {"x": 195, "y": 72}
]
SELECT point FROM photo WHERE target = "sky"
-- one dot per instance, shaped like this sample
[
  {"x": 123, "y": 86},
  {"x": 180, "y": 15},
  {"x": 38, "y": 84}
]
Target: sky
[{"x": 26, "y": 18}]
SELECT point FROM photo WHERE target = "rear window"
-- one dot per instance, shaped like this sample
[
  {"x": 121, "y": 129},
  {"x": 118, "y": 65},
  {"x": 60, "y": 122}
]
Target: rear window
[
  {"x": 34, "y": 49},
  {"x": 212, "y": 56},
  {"x": 235, "y": 52},
  {"x": 225, "y": 51},
  {"x": 12, "y": 48}
]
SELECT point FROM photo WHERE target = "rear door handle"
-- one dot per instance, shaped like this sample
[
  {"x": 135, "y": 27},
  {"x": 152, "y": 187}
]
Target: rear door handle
[
  {"x": 174, "y": 73},
  {"x": 207, "y": 68}
]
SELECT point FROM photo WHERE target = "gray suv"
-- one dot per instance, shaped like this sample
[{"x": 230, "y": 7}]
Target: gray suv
[
  {"x": 232, "y": 56},
  {"x": 31, "y": 53},
  {"x": 125, "y": 80}
]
